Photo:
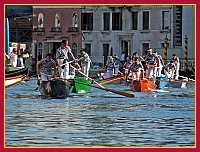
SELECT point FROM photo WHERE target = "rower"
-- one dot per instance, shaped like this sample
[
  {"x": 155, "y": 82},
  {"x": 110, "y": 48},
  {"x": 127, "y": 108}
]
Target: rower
[
  {"x": 151, "y": 65},
  {"x": 85, "y": 62},
  {"x": 127, "y": 65},
  {"x": 136, "y": 68},
  {"x": 175, "y": 59},
  {"x": 110, "y": 66},
  {"x": 170, "y": 70},
  {"x": 160, "y": 63},
  {"x": 46, "y": 65}
]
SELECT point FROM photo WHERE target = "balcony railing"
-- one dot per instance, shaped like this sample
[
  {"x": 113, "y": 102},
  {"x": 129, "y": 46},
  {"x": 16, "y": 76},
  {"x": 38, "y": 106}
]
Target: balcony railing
[
  {"x": 73, "y": 29},
  {"x": 55, "y": 29},
  {"x": 39, "y": 29}
]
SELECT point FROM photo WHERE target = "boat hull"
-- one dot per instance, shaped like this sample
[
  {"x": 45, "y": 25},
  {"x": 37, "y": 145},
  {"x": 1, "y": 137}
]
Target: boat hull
[
  {"x": 80, "y": 88},
  {"x": 174, "y": 84},
  {"x": 162, "y": 82},
  {"x": 10, "y": 81},
  {"x": 143, "y": 86},
  {"x": 21, "y": 71},
  {"x": 55, "y": 89}
]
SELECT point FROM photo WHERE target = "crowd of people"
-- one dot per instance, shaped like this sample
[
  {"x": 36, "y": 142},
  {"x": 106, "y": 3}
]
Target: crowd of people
[
  {"x": 150, "y": 67},
  {"x": 17, "y": 57},
  {"x": 65, "y": 63},
  {"x": 135, "y": 67}
]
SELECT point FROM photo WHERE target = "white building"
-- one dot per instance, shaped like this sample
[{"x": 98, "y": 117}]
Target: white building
[{"x": 109, "y": 30}]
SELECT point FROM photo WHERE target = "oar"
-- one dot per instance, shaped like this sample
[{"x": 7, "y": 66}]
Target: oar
[
  {"x": 187, "y": 78},
  {"x": 110, "y": 80},
  {"x": 87, "y": 76},
  {"x": 38, "y": 82},
  {"x": 176, "y": 81},
  {"x": 101, "y": 87},
  {"x": 110, "y": 90}
]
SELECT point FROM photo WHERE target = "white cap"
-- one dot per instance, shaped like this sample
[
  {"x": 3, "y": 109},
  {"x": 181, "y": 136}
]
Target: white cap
[{"x": 149, "y": 50}]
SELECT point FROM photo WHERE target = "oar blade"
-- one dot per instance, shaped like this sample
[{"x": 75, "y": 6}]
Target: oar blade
[{"x": 111, "y": 90}]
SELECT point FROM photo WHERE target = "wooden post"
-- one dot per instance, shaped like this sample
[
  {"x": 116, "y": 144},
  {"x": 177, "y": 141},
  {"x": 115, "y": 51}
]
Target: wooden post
[
  {"x": 185, "y": 53},
  {"x": 165, "y": 49}
]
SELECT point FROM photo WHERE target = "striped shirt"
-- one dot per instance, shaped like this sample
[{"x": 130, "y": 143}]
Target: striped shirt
[{"x": 62, "y": 53}]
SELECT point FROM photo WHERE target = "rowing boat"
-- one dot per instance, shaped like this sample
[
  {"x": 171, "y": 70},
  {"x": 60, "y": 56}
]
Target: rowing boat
[
  {"x": 161, "y": 82},
  {"x": 54, "y": 89},
  {"x": 59, "y": 88},
  {"x": 177, "y": 84},
  {"x": 15, "y": 71},
  {"x": 9, "y": 81},
  {"x": 78, "y": 87},
  {"x": 143, "y": 85}
]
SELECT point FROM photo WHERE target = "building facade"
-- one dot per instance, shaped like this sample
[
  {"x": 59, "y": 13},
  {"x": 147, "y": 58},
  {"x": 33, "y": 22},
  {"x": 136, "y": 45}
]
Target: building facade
[
  {"x": 109, "y": 30},
  {"x": 52, "y": 24}
]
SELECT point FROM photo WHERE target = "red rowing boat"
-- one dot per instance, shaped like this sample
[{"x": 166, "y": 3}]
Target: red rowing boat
[{"x": 143, "y": 86}]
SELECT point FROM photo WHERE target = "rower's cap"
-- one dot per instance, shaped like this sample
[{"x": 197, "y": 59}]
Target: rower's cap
[{"x": 149, "y": 50}]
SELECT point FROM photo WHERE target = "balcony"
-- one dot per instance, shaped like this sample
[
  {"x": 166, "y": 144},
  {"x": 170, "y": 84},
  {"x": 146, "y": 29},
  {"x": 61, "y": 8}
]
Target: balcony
[
  {"x": 56, "y": 29},
  {"x": 73, "y": 30}
]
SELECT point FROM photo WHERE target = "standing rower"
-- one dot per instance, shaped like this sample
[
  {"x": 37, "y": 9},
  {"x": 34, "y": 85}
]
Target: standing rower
[
  {"x": 62, "y": 58},
  {"x": 150, "y": 65}
]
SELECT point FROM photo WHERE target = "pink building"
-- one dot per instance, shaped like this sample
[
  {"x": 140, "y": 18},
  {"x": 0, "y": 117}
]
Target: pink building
[{"x": 52, "y": 24}]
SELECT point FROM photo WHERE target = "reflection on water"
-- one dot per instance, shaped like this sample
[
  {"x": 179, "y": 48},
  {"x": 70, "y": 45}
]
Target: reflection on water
[{"x": 163, "y": 118}]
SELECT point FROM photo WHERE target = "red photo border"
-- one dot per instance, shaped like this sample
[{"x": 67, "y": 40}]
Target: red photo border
[{"x": 82, "y": 149}]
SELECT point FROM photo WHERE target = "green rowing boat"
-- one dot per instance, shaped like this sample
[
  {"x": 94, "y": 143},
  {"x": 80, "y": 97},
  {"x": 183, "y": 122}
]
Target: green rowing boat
[{"x": 80, "y": 88}]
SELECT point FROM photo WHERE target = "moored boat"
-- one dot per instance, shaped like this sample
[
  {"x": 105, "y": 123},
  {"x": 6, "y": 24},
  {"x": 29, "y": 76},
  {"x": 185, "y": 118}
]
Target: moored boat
[
  {"x": 11, "y": 80},
  {"x": 143, "y": 86},
  {"x": 16, "y": 71}
]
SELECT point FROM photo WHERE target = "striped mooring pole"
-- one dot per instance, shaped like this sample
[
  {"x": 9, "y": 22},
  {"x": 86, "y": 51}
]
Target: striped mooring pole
[
  {"x": 185, "y": 53},
  {"x": 165, "y": 49}
]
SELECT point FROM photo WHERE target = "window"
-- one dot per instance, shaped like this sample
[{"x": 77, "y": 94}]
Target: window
[
  {"x": 116, "y": 21},
  {"x": 106, "y": 21},
  {"x": 40, "y": 49},
  {"x": 40, "y": 20},
  {"x": 87, "y": 21},
  {"x": 57, "y": 20},
  {"x": 165, "y": 20},
  {"x": 88, "y": 49},
  {"x": 145, "y": 20},
  {"x": 74, "y": 20},
  {"x": 134, "y": 20},
  {"x": 74, "y": 49},
  {"x": 145, "y": 47}
]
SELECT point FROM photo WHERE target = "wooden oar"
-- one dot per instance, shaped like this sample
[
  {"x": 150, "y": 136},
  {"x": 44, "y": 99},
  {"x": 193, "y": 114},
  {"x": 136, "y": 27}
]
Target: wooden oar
[
  {"x": 110, "y": 90},
  {"x": 176, "y": 81},
  {"x": 110, "y": 80},
  {"x": 187, "y": 78},
  {"x": 87, "y": 76},
  {"x": 103, "y": 88},
  {"x": 38, "y": 82}
]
